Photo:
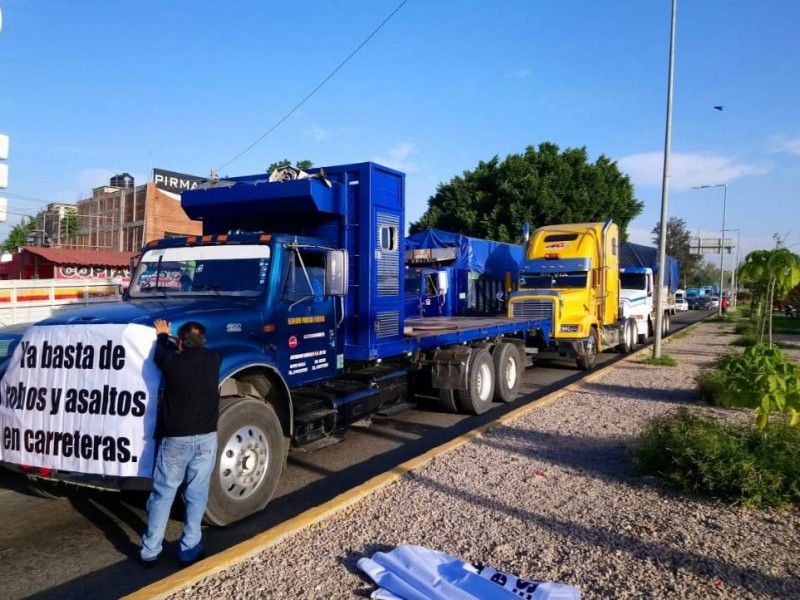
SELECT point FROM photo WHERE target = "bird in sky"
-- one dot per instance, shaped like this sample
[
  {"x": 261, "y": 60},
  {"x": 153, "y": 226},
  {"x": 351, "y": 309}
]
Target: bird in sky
[{"x": 719, "y": 107}]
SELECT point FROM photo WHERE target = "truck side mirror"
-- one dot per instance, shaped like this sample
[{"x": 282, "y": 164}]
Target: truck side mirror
[{"x": 336, "y": 273}]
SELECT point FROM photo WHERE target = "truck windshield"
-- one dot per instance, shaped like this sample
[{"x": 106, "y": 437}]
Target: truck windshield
[
  {"x": 633, "y": 281},
  {"x": 239, "y": 270},
  {"x": 573, "y": 279}
]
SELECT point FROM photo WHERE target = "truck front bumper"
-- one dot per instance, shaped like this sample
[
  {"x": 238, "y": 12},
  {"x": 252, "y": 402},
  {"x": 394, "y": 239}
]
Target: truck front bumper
[
  {"x": 102, "y": 482},
  {"x": 564, "y": 348}
]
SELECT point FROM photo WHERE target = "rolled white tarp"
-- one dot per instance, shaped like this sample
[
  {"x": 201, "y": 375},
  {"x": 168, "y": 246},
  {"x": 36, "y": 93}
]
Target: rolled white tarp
[{"x": 412, "y": 572}]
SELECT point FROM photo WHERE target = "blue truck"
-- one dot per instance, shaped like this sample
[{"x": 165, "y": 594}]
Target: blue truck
[
  {"x": 451, "y": 274},
  {"x": 300, "y": 285}
]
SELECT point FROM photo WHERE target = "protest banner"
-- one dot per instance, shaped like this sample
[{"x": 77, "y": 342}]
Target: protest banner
[{"x": 81, "y": 398}]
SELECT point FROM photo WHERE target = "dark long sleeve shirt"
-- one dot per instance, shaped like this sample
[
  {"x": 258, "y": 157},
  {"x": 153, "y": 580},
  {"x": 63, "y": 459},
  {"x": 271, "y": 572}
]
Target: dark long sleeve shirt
[{"x": 190, "y": 405}]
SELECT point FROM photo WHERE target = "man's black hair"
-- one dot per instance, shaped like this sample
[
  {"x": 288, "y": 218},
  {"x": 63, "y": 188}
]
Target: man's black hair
[{"x": 192, "y": 334}]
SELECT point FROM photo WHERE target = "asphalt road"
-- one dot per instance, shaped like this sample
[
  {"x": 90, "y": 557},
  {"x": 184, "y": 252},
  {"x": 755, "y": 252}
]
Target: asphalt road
[{"x": 81, "y": 546}]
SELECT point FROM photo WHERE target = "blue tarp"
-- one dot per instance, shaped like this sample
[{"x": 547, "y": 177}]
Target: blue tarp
[
  {"x": 637, "y": 255},
  {"x": 488, "y": 257}
]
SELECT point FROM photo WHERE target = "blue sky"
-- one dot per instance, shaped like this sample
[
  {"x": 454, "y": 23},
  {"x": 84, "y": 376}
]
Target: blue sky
[{"x": 93, "y": 88}]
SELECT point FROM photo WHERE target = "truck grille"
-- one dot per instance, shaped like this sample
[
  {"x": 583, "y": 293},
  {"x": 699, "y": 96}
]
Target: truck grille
[{"x": 533, "y": 309}]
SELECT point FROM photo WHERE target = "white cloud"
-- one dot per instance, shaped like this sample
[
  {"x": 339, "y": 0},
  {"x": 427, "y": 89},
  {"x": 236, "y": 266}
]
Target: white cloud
[
  {"x": 318, "y": 134},
  {"x": 399, "y": 157},
  {"x": 786, "y": 144},
  {"x": 687, "y": 169},
  {"x": 523, "y": 73},
  {"x": 640, "y": 236}
]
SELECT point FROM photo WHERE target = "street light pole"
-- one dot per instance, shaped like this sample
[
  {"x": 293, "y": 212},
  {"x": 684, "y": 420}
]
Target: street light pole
[
  {"x": 721, "y": 241},
  {"x": 662, "y": 241}
]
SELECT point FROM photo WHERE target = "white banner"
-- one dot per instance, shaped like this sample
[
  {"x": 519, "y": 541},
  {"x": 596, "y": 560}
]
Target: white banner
[{"x": 81, "y": 398}]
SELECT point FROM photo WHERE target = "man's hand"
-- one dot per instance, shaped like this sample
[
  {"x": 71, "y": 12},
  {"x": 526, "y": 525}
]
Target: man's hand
[{"x": 162, "y": 326}]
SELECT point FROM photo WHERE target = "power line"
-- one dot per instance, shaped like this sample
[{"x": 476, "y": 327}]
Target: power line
[{"x": 316, "y": 89}]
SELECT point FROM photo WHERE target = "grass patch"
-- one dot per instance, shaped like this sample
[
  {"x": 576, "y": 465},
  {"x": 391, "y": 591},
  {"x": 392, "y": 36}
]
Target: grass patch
[
  {"x": 721, "y": 319},
  {"x": 710, "y": 385},
  {"x": 748, "y": 339},
  {"x": 784, "y": 324},
  {"x": 744, "y": 327},
  {"x": 678, "y": 335},
  {"x": 665, "y": 360},
  {"x": 735, "y": 464}
]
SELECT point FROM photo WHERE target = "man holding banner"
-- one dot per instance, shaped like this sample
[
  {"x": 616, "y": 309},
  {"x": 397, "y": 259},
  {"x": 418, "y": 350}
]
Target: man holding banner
[{"x": 186, "y": 429}]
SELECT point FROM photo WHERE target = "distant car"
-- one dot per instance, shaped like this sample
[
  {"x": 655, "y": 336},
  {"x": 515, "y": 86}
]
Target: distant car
[
  {"x": 703, "y": 303},
  {"x": 681, "y": 304},
  {"x": 714, "y": 302}
]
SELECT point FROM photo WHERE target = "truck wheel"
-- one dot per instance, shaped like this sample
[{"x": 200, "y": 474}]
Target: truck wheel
[
  {"x": 477, "y": 398},
  {"x": 250, "y": 459},
  {"x": 589, "y": 362},
  {"x": 628, "y": 342},
  {"x": 665, "y": 324},
  {"x": 447, "y": 401},
  {"x": 508, "y": 372}
]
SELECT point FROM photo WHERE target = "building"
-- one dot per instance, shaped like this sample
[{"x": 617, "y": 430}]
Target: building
[{"x": 126, "y": 218}]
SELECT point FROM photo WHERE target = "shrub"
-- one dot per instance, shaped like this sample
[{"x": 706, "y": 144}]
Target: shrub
[
  {"x": 735, "y": 464},
  {"x": 748, "y": 340},
  {"x": 710, "y": 384},
  {"x": 761, "y": 378}
]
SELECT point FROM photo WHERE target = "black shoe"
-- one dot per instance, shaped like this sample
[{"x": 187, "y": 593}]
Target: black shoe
[
  {"x": 200, "y": 556},
  {"x": 148, "y": 564}
]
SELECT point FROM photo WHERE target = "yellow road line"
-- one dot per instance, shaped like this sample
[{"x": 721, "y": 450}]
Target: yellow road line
[{"x": 235, "y": 554}]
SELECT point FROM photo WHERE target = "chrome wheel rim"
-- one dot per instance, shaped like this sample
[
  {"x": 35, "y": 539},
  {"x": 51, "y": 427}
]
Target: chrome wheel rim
[{"x": 243, "y": 462}]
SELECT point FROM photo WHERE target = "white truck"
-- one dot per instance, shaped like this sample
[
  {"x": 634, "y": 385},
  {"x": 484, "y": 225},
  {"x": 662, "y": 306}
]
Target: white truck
[{"x": 638, "y": 266}]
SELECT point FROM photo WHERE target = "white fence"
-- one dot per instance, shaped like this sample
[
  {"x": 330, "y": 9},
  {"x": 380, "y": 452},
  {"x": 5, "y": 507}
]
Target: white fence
[{"x": 27, "y": 300}]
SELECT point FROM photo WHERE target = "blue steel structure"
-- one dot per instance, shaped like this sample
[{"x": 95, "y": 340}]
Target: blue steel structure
[{"x": 476, "y": 274}]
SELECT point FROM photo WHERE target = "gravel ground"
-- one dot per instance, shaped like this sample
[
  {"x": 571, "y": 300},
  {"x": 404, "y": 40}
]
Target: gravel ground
[{"x": 552, "y": 496}]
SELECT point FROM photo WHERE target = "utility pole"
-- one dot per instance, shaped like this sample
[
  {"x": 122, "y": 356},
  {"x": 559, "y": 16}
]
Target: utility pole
[{"x": 662, "y": 242}]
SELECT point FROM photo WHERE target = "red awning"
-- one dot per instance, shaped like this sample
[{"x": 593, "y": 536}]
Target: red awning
[{"x": 87, "y": 258}]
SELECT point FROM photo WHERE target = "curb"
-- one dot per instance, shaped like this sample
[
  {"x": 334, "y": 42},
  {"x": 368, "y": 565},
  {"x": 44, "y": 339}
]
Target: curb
[{"x": 172, "y": 584}]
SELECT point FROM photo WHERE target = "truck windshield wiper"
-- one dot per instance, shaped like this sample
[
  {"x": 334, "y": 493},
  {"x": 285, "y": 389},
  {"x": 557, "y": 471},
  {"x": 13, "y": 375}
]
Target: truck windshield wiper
[
  {"x": 155, "y": 288},
  {"x": 207, "y": 286}
]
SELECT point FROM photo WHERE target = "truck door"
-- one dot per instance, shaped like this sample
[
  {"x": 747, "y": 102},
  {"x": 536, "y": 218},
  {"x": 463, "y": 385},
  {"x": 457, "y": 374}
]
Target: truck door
[{"x": 307, "y": 350}]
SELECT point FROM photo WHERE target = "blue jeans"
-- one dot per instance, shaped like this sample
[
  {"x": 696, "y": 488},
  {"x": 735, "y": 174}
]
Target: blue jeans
[{"x": 191, "y": 459}]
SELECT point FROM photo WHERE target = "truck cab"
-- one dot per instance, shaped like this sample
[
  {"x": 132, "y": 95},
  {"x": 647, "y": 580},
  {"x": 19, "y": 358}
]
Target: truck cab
[{"x": 570, "y": 274}]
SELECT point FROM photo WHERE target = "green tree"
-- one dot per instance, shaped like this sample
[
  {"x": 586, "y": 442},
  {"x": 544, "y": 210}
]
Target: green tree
[
  {"x": 541, "y": 186},
  {"x": 679, "y": 246},
  {"x": 69, "y": 224},
  {"x": 18, "y": 236},
  {"x": 300, "y": 164},
  {"x": 707, "y": 274}
]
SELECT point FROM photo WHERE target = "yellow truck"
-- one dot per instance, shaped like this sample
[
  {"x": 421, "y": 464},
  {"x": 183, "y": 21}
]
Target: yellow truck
[{"x": 570, "y": 275}]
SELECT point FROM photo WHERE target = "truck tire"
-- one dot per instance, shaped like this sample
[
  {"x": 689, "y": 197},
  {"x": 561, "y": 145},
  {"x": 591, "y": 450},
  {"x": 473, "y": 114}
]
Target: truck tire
[
  {"x": 250, "y": 459},
  {"x": 666, "y": 321},
  {"x": 447, "y": 401},
  {"x": 628, "y": 342},
  {"x": 508, "y": 371},
  {"x": 589, "y": 362},
  {"x": 477, "y": 398}
]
